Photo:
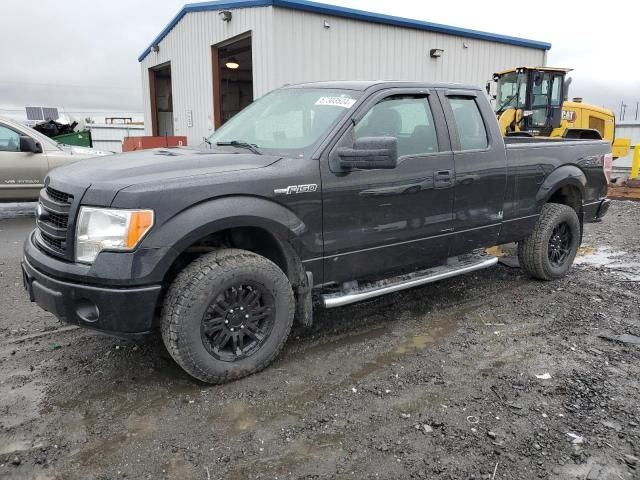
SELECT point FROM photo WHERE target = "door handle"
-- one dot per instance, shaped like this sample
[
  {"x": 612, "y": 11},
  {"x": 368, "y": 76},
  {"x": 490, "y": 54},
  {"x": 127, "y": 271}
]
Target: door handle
[{"x": 444, "y": 173}]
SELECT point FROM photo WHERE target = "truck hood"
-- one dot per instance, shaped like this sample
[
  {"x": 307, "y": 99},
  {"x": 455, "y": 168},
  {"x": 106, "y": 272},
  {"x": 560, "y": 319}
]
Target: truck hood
[
  {"x": 122, "y": 170},
  {"x": 98, "y": 180}
]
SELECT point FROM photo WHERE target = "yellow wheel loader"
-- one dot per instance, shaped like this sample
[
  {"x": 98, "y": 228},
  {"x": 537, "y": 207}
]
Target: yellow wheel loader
[{"x": 533, "y": 101}]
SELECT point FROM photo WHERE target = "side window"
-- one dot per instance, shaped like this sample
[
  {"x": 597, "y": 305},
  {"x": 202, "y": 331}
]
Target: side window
[
  {"x": 556, "y": 91},
  {"x": 406, "y": 117},
  {"x": 541, "y": 89},
  {"x": 471, "y": 130},
  {"x": 9, "y": 140}
]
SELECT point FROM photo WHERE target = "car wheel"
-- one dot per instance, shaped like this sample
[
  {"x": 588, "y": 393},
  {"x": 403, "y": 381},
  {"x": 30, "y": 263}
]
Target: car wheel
[
  {"x": 549, "y": 251},
  {"x": 227, "y": 315}
]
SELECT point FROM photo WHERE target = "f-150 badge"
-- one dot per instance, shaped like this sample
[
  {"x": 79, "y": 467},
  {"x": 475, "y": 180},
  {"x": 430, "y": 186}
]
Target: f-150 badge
[{"x": 293, "y": 189}]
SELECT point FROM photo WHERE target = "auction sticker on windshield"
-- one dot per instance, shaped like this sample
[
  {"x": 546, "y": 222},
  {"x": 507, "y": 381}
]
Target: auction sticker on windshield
[{"x": 345, "y": 102}]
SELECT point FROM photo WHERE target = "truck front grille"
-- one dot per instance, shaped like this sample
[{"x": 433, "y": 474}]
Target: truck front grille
[
  {"x": 59, "y": 220},
  {"x": 52, "y": 220},
  {"x": 52, "y": 242},
  {"x": 58, "y": 196}
]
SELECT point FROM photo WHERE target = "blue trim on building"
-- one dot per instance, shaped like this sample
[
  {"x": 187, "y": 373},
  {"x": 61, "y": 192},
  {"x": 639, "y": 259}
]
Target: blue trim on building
[{"x": 333, "y": 10}]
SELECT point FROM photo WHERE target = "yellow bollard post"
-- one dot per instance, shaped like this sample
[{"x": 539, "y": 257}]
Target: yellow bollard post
[{"x": 635, "y": 166}]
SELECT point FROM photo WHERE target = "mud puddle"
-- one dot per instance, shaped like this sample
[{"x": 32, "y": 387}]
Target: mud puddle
[
  {"x": 21, "y": 401},
  {"x": 615, "y": 262},
  {"x": 241, "y": 416},
  {"x": 137, "y": 412},
  {"x": 306, "y": 455},
  {"x": 15, "y": 446}
]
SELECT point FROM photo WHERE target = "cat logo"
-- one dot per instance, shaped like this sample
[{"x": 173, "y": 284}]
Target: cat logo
[
  {"x": 569, "y": 116},
  {"x": 294, "y": 189}
]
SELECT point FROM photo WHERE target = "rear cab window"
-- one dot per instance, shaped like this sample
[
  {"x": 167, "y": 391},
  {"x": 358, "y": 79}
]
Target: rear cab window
[{"x": 472, "y": 132}]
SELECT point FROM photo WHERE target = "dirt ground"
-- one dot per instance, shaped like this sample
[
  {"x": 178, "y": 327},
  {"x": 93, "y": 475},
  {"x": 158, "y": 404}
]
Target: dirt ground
[{"x": 490, "y": 375}]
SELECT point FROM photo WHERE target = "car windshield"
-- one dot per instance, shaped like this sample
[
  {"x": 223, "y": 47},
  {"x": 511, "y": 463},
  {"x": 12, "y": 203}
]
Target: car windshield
[{"x": 290, "y": 119}]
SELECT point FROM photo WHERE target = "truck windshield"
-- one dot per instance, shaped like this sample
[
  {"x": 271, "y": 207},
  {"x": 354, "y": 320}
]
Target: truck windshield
[
  {"x": 286, "y": 120},
  {"x": 512, "y": 88}
]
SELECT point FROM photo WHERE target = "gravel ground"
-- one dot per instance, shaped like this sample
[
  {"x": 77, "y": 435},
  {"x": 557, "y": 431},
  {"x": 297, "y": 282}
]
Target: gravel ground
[{"x": 485, "y": 376}]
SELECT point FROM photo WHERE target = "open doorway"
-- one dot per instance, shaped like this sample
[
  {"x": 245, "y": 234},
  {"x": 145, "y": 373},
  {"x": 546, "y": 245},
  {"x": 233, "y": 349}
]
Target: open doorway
[
  {"x": 161, "y": 100},
  {"x": 232, "y": 77}
]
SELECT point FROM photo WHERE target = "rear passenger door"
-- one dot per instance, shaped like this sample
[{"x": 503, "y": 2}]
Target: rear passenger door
[{"x": 481, "y": 170}]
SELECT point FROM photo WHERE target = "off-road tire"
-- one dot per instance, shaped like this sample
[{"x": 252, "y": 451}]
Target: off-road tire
[
  {"x": 533, "y": 251},
  {"x": 189, "y": 296}
]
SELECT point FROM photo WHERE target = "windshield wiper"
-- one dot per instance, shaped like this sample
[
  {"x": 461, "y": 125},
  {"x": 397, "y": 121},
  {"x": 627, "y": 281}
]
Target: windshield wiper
[{"x": 240, "y": 144}]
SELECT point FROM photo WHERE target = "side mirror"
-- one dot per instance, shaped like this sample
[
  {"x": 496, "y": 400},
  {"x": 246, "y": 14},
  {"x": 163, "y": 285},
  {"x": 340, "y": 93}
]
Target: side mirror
[
  {"x": 28, "y": 144},
  {"x": 369, "y": 153}
]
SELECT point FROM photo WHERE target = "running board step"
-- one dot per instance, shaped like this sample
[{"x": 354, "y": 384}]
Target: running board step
[{"x": 454, "y": 266}]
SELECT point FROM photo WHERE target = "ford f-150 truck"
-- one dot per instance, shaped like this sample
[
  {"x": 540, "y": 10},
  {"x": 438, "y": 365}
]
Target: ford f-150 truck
[{"x": 316, "y": 194}]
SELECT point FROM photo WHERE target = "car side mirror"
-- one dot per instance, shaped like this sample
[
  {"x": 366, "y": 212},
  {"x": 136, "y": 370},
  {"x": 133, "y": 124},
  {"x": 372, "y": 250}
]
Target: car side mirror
[
  {"x": 369, "y": 153},
  {"x": 28, "y": 144}
]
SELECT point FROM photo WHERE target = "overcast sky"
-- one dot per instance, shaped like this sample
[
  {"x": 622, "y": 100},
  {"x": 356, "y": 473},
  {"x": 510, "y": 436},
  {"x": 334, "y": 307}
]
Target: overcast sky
[{"x": 82, "y": 55}]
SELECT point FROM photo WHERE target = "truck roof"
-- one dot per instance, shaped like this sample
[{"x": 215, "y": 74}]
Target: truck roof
[{"x": 362, "y": 85}]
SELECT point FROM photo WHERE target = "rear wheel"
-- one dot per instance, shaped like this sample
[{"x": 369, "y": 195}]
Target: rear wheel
[
  {"x": 227, "y": 315},
  {"x": 549, "y": 251}
]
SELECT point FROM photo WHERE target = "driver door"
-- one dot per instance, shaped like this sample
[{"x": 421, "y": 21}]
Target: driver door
[
  {"x": 21, "y": 173},
  {"x": 377, "y": 221}
]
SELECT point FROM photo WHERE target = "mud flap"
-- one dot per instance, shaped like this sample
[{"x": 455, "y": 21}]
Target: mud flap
[{"x": 304, "y": 303}]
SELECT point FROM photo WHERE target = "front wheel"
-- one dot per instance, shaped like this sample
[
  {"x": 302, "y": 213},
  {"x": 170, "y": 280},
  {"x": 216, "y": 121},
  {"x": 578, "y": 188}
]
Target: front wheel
[
  {"x": 227, "y": 315},
  {"x": 549, "y": 251}
]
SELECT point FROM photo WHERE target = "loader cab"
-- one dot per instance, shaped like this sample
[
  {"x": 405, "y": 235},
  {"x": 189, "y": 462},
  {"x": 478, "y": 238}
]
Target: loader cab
[
  {"x": 534, "y": 101},
  {"x": 529, "y": 100}
]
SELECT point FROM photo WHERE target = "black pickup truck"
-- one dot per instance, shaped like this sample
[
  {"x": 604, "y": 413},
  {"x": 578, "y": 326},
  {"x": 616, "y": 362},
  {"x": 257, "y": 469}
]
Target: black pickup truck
[{"x": 323, "y": 193}]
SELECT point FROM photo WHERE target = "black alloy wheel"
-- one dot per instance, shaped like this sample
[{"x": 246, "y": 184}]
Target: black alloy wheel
[
  {"x": 549, "y": 250},
  {"x": 227, "y": 314},
  {"x": 559, "y": 248},
  {"x": 238, "y": 321}
]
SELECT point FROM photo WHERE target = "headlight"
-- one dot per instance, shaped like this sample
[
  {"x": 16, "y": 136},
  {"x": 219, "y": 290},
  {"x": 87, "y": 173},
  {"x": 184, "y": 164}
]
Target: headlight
[{"x": 109, "y": 229}]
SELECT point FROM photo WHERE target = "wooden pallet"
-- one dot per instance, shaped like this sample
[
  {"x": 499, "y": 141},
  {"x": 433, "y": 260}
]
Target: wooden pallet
[{"x": 623, "y": 192}]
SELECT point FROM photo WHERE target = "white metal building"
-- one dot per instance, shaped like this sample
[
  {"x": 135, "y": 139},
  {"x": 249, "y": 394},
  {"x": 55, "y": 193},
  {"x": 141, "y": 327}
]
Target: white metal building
[{"x": 190, "y": 86}]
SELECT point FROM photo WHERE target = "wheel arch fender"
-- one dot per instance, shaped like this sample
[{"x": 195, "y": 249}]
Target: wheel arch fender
[
  {"x": 564, "y": 176},
  {"x": 199, "y": 221}
]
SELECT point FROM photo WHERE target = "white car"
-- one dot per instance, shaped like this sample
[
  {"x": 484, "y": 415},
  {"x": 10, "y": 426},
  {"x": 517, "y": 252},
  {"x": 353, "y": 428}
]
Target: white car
[{"x": 26, "y": 156}]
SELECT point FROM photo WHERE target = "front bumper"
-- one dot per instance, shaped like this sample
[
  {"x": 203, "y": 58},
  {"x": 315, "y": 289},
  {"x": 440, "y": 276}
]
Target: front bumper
[{"x": 125, "y": 312}]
